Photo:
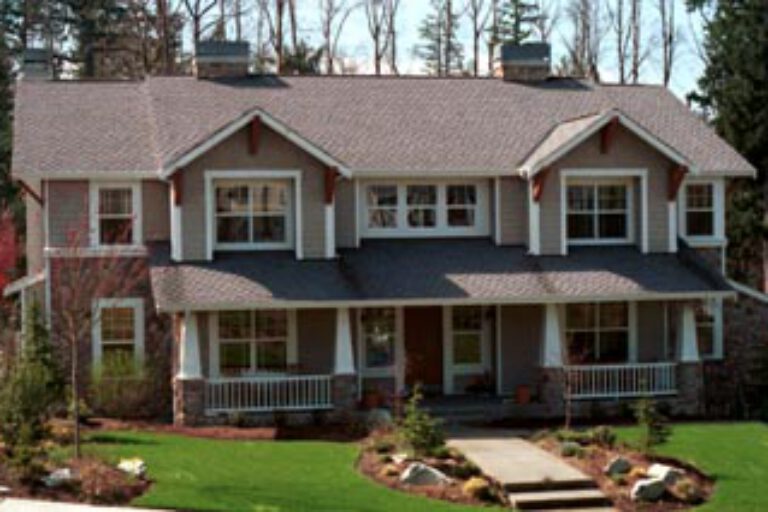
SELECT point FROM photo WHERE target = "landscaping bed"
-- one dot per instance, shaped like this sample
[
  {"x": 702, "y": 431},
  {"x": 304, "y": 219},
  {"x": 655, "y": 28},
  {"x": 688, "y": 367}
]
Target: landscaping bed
[
  {"x": 618, "y": 469},
  {"x": 382, "y": 461}
]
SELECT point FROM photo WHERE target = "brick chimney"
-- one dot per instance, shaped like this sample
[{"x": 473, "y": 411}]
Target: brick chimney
[
  {"x": 36, "y": 64},
  {"x": 218, "y": 59},
  {"x": 526, "y": 62}
]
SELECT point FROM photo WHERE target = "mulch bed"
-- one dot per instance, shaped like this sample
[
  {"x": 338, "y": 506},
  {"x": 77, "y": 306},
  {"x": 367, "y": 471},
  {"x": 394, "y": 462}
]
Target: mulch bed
[
  {"x": 595, "y": 458},
  {"x": 95, "y": 482}
]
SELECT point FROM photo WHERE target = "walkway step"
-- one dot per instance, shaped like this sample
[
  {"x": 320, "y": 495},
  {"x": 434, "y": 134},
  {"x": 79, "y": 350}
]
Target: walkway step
[
  {"x": 563, "y": 499},
  {"x": 550, "y": 485}
]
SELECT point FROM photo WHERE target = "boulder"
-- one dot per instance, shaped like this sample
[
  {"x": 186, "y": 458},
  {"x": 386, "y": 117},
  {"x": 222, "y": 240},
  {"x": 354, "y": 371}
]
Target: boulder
[
  {"x": 134, "y": 467},
  {"x": 617, "y": 466},
  {"x": 399, "y": 458},
  {"x": 379, "y": 419},
  {"x": 669, "y": 474},
  {"x": 421, "y": 474},
  {"x": 648, "y": 489},
  {"x": 58, "y": 477}
]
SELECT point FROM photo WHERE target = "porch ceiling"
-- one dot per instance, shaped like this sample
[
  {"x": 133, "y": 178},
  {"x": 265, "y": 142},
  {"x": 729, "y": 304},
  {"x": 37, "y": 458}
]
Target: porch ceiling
[{"x": 413, "y": 271}]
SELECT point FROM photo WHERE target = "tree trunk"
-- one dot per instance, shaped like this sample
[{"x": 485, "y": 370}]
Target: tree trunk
[
  {"x": 75, "y": 397},
  {"x": 294, "y": 24},
  {"x": 279, "y": 4}
]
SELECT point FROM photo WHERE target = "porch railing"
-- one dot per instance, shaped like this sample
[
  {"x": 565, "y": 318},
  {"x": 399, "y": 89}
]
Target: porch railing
[
  {"x": 267, "y": 394},
  {"x": 620, "y": 380}
]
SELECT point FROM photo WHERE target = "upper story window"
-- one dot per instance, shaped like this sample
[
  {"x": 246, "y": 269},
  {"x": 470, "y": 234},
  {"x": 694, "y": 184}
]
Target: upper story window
[
  {"x": 253, "y": 214},
  {"x": 598, "y": 333},
  {"x": 702, "y": 211},
  {"x": 115, "y": 214},
  {"x": 425, "y": 209},
  {"x": 599, "y": 212}
]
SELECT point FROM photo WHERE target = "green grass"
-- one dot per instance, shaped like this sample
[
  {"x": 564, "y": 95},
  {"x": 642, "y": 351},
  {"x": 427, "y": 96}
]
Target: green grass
[
  {"x": 263, "y": 476},
  {"x": 736, "y": 454}
]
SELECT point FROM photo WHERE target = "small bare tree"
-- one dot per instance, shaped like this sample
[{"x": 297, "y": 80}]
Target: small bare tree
[
  {"x": 333, "y": 17},
  {"x": 493, "y": 38},
  {"x": 478, "y": 15},
  {"x": 197, "y": 10},
  {"x": 546, "y": 20},
  {"x": 376, "y": 16},
  {"x": 585, "y": 46},
  {"x": 669, "y": 38},
  {"x": 393, "y": 7}
]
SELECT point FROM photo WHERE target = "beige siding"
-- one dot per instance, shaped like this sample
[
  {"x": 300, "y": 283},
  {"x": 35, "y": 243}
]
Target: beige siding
[
  {"x": 156, "y": 211},
  {"x": 521, "y": 331},
  {"x": 68, "y": 213},
  {"x": 275, "y": 153},
  {"x": 35, "y": 236},
  {"x": 513, "y": 217},
  {"x": 651, "y": 332},
  {"x": 346, "y": 215},
  {"x": 316, "y": 340},
  {"x": 628, "y": 151}
]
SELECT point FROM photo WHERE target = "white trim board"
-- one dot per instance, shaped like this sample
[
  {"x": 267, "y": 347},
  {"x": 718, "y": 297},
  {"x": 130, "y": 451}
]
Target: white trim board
[
  {"x": 253, "y": 174},
  {"x": 231, "y": 128}
]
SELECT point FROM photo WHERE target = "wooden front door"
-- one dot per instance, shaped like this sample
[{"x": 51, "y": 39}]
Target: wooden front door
[{"x": 423, "y": 328}]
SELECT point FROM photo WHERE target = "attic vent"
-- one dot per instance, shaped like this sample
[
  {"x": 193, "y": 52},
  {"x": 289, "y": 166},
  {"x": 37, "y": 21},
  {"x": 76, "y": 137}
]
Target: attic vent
[
  {"x": 216, "y": 59},
  {"x": 527, "y": 62}
]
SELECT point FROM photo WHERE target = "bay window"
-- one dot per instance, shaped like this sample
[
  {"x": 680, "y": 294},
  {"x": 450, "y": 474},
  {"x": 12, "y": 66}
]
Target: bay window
[
  {"x": 252, "y": 342},
  {"x": 425, "y": 209},
  {"x": 599, "y": 211},
  {"x": 253, "y": 214},
  {"x": 598, "y": 332}
]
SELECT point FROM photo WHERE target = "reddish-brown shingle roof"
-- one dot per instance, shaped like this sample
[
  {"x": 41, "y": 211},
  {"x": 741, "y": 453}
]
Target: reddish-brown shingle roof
[{"x": 369, "y": 124}]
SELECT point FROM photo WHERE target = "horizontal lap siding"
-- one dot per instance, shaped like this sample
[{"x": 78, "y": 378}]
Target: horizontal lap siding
[
  {"x": 68, "y": 213},
  {"x": 521, "y": 331},
  {"x": 156, "y": 209},
  {"x": 512, "y": 215},
  {"x": 346, "y": 216},
  {"x": 35, "y": 235},
  {"x": 650, "y": 335},
  {"x": 626, "y": 152},
  {"x": 275, "y": 153}
]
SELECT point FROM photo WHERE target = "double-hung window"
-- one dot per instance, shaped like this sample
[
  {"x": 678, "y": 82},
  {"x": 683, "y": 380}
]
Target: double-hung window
[
  {"x": 115, "y": 214},
  {"x": 118, "y": 335},
  {"x": 467, "y": 337},
  {"x": 425, "y": 209},
  {"x": 598, "y": 332},
  {"x": 252, "y": 342},
  {"x": 253, "y": 214},
  {"x": 379, "y": 334},
  {"x": 599, "y": 212},
  {"x": 700, "y": 209},
  {"x": 709, "y": 329}
]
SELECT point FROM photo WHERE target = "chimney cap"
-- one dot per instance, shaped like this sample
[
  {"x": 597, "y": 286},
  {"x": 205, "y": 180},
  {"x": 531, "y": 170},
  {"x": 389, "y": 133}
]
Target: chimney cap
[{"x": 526, "y": 52}]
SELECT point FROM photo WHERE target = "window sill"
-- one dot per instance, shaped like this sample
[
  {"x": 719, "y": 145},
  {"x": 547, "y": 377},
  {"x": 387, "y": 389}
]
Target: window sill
[{"x": 705, "y": 242}]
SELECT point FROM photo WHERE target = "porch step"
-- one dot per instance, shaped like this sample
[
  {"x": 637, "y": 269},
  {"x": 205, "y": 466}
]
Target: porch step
[{"x": 568, "y": 499}]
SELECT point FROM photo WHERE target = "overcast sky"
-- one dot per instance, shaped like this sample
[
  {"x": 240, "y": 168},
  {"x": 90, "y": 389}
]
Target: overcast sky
[{"x": 356, "y": 46}]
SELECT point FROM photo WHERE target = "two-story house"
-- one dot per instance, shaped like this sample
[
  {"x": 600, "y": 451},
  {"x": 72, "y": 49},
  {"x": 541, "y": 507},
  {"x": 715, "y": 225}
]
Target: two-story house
[{"x": 314, "y": 240}]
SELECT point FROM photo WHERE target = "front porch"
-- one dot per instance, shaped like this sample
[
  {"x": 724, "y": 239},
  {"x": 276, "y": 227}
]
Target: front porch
[{"x": 526, "y": 358}]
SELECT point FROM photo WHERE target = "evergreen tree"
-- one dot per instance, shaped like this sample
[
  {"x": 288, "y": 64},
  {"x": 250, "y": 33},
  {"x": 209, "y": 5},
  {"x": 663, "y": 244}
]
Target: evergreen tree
[
  {"x": 516, "y": 21},
  {"x": 8, "y": 191},
  {"x": 442, "y": 52},
  {"x": 734, "y": 92}
]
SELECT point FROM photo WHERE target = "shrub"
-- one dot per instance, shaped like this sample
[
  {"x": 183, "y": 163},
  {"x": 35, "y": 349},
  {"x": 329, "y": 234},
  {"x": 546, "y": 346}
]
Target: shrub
[
  {"x": 653, "y": 425},
  {"x": 477, "y": 488},
  {"x": 465, "y": 470},
  {"x": 120, "y": 388},
  {"x": 422, "y": 432},
  {"x": 687, "y": 491},
  {"x": 383, "y": 446},
  {"x": 571, "y": 449},
  {"x": 601, "y": 436}
]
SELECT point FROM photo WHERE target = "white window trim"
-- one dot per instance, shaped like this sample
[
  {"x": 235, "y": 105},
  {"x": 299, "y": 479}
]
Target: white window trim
[
  {"x": 295, "y": 220},
  {"x": 632, "y": 329},
  {"x": 137, "y": 304},
  {"x": 450, "y": 369},
  {"x": 718, "y": 209},
  {"x": 591, "y": 175},
  {"x": 442, "y": 229},
  {"x": 93, "y": 201},
  {"x": 291, "y": 349}
]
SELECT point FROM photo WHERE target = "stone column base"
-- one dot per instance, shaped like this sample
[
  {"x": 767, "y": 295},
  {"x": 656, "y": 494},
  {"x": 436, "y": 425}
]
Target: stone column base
[
  {"x": 344, "y": 392},
  {"x": 690, "y": 389},
  {"x": 551, "y": 393},
  {"x": 188, "y": 402}
]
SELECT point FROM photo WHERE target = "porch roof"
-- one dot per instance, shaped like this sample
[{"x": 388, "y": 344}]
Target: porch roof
[{"x": 436, "y": 271}]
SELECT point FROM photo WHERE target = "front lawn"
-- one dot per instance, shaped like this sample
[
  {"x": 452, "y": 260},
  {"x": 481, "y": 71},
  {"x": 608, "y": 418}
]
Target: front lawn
[
  {"x": 257, "y": 476},
  {"x": 736, "y": 454}
]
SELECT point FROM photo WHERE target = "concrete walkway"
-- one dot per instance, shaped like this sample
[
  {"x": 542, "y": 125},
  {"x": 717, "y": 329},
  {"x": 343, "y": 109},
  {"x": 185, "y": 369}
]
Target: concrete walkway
[
  {"x": 19, "y": 505},
  {"x": 513, "y": 461}
]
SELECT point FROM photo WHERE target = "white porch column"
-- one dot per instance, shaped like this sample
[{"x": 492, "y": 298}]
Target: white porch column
[
  {"x": 345, "y": 361},
  {"x": 189, "y": 349},
  {"x": 688, "y": 346},
  {"x": 552, "y": 356}
]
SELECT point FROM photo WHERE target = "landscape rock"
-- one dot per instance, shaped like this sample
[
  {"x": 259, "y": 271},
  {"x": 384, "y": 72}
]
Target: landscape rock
[
  {"x": 4, "y": 490},
  {"x": 134, "y": 467},
  {"x": 421, "y": 474},
  {"x": 389, "y": 470},
  {"x": 648, "y": 489},
  {"x": 399, "y": 458},
  {"x": 669, "y": 474},
  {"x": 58, "y": 477},
  {"x": 379, "y": 419},
  {"x": 617, "y": 466}
]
